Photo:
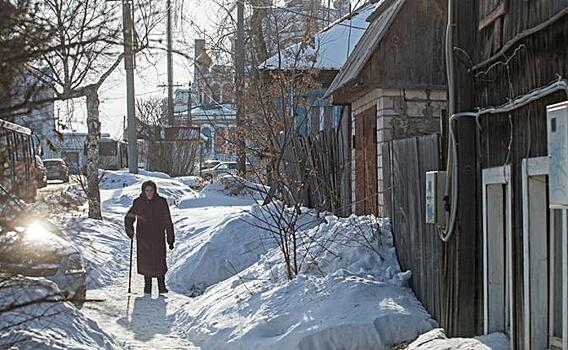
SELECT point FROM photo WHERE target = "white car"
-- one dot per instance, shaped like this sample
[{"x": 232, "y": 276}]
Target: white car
[
  {"x": 34, "y": 247},
  {"x": 219, "y": 169}
]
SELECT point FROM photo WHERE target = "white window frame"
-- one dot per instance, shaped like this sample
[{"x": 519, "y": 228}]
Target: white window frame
[
  {"x": 560, "y": 343},
  {"x": 540, "y": 167},
  {"x": 498, "y": 176},
  {"x": 533, "y": 167}
]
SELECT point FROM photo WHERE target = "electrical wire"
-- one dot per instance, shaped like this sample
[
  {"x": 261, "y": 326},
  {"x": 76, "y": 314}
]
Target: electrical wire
[
  {"x": 520, "y": 101},
  {"x": 446, "y": 232}
]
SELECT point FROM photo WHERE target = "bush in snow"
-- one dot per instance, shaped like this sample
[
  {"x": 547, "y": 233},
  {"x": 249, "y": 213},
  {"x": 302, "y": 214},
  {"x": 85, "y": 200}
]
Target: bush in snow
[{"x": 349, "y": 292}]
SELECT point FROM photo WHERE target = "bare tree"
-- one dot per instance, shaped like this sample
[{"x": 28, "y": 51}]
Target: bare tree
[
  {"x": 80, "y": 70},
  {"x": 183, "y": 141},
  {"x": 277, "y": 105}
]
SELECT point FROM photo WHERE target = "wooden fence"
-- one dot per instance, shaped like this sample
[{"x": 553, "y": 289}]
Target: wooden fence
[
  {"x": 418, "y": 247},
  {"x": 320, "y": 165}
]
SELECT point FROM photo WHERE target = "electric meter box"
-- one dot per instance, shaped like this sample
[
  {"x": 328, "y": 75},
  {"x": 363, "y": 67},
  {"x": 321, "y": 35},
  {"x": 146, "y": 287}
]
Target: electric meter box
[
  {"x": 435, "y": 188},
  {"x": 557, "y": 125}
]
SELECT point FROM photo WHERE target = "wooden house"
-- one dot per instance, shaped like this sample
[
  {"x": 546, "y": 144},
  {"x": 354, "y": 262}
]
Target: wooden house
[
  {"x": 395, "y": 85},
  {"x": 509, "y": 250},
  {"x": 323, "y": 130}
]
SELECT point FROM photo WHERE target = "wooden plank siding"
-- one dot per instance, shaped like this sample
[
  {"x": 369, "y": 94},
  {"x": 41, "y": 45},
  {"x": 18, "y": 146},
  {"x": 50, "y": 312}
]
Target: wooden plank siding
[
  {"x": 412, "y": 50},
  {"x": 418, "y": 247},
  {"x": 507, "y": 139},
  {"x": 518, "y": 16},
  {"x": 327, "y": 156}
]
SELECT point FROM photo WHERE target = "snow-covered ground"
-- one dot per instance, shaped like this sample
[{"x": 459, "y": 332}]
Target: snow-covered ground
[
  {"x": 350, "y": 293},
  {"x": 436, "y": 340},
  {"x": 228, "y": 282},
  {"x": 33, "y": 317}
]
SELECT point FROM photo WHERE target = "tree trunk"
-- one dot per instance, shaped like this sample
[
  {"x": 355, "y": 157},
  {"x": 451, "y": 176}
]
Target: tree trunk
[{"x": 93, "y": 136}]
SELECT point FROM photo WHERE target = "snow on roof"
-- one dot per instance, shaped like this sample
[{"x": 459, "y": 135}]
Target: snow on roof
[
  {"x": 331, "y": 46},
  {"x": 381, "y": 20},
  {"x": 226, "y": 110}
]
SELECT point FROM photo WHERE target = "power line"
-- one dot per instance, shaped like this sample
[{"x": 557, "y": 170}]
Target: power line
[{"x": 285, "y": 9}]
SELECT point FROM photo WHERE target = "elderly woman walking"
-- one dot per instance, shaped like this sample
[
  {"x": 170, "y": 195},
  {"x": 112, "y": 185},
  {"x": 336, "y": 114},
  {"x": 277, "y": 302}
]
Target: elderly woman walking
[{"x": 153, "y": 226}]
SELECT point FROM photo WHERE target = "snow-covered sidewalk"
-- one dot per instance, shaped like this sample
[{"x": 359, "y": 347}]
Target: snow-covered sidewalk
[{"x": 138, "y": 321}]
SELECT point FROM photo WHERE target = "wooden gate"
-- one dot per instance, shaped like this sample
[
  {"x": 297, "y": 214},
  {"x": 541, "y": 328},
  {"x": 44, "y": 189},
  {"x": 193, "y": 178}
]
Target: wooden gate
[
  {"x": 405, "y": 163},
  {"x": 366, "y": 162}
]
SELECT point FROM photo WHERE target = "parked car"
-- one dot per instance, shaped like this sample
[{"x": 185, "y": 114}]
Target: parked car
[
  {"x": 34, "y": 247},
  {"x": 40, "y": 172},
  {"x": 210, "y": 163},
  {"x": 222, "y": 168},
  {"x": 56, "y": 169}
]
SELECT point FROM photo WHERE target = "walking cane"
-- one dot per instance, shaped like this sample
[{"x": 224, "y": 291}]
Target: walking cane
[{"x": 130, "y": 271}]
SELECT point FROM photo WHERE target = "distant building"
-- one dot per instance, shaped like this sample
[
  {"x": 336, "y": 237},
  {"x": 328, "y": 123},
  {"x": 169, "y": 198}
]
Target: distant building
[
  {"x": 71, "y": 147},
  {"x": 40, "y": 116},
  {"x": 300, "y": 18}
]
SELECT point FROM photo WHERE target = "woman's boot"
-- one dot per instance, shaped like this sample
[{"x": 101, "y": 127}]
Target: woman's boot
[
  {"x": 147, "y": 285},
  {"x": 162, "y": 285}
]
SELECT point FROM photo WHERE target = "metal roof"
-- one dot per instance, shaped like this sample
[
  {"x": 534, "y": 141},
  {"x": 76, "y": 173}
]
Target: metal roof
[
  {"x": 330, "y": 47},
  {"x": 382, "y": 18},
  {"x": 14, "y": 127}
]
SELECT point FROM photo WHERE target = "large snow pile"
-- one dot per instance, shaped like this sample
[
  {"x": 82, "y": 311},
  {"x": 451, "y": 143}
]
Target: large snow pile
[
  {"x": 234, "y": 186},
  {"x": 226, "y": 190},
  {"x": 349, "y": 294},
  {"x": 226, "y": 249},
  {"x": 69, "y": 199},
  {"x": 104, "y": 246},
  {"x": 120, "y": 188},
  {"x": 122, "y": 178},
  {"x": 436, "y": 340},
  {"x": 194, "y": 182},
  {"x": 34, "y": 317}
]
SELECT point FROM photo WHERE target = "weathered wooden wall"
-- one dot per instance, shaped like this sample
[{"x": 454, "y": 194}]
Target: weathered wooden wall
[
  {"x": 507, "y": 139},
  {"x": 320, "y": 165},
  {"x": 411, "y": 54},
  {"x": 418, "y": 247},
  {"x": 517, "y": 16}
]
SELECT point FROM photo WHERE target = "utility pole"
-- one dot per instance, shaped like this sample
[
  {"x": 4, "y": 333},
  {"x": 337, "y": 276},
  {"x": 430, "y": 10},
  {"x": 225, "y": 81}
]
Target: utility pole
[
  {"x": 189, "y": 104},
  {"x": 239, "y": 86},
  {"x": 170, "y": 111},
  {"x": 128, "y": 32}
]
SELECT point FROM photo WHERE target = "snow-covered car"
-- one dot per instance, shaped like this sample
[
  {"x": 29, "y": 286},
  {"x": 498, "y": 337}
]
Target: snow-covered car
[
  {"x": 33, "y": 246},
  {"x": 56, "y": 169},
  {"x": 210, "y": 163},
  {"x": 222, "y": 168}
]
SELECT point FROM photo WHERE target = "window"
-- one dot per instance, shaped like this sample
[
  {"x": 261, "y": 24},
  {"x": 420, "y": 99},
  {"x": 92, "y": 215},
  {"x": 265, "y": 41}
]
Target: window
[
  {"x": 558, "y": 227},
  {"x": 490, "y": 11},
  {"x": 497, "y": 251},
  {"x": 535, "y": 252},
  {"x": 544, "y": 251},
  {"x": 108, "y": 148},
  {"x": 216, "y": 93}
]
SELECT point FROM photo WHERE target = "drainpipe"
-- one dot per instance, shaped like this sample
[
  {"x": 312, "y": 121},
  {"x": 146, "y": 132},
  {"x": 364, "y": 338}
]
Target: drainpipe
[{"x": 451, "y": 181}]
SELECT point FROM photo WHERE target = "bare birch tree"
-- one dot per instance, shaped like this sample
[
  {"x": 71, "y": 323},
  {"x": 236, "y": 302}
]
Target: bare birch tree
[{"x": 79, "y": 71}]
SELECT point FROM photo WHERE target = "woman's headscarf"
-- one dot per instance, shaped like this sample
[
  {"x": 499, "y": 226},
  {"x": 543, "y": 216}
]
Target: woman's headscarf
[{"x": 149, "y": 183}]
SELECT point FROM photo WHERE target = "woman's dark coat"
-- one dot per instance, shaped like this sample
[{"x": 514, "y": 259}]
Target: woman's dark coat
[{"x": 153, "y": 225}]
